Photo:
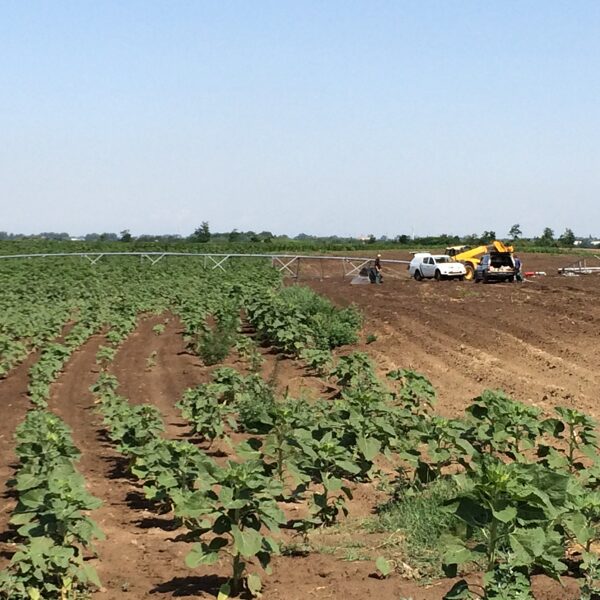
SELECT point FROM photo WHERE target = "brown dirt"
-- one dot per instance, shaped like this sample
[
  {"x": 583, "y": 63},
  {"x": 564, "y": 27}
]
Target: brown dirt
[
  {"x": 536, "y": 340},
  {"x": 138, "y": 554}
]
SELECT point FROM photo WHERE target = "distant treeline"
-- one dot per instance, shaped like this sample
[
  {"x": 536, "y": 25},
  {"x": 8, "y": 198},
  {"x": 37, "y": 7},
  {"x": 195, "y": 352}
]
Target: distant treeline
[{"x": 203, "y": 240}]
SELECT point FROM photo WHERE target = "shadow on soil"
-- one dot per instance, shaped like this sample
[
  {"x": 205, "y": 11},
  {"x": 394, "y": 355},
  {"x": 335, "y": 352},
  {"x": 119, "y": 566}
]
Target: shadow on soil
[
  {"x": 166, "y": 524},
  {"x": 190, "y": 586},
  {"x": 10, "y": 494},
  {"x": 9, "y": 536},
  {"x": 214, "y": 453},
  {"x": 137, "y": 501},
  {"x": 118, "y": 468}
]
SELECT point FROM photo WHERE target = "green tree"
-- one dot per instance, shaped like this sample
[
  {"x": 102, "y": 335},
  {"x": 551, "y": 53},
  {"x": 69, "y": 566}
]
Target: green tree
[
  {"x": 515, "y": 232},
  {"x": 487, "y": 237},
  {"x": 234, "y": 236},
  {"x": 125, "y": 236},
  {"x": 567, "y": 238},
  {"x": 547, "y": 238},
  {"x": 202, "y": 234},
  {"x": 108, "y": 237}
]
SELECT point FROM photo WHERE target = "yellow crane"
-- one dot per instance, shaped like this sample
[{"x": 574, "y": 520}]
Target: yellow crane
[{"x": 471, "y": 257}]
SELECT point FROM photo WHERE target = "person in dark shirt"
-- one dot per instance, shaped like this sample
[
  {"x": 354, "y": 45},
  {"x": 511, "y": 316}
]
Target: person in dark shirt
[
  {"x": 376, "y": 271},
  {"x": 518, "y": 267}
]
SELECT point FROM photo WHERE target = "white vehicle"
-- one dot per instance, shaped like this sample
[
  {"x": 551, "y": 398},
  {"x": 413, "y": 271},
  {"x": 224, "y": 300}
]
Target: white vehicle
[{"x": 440, "y": 266}]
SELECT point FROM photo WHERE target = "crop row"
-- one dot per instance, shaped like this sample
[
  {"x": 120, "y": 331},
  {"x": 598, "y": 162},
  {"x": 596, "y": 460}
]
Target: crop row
[
  {"x": 524, "y": 488},
  {"x": 50, "y": 516}
]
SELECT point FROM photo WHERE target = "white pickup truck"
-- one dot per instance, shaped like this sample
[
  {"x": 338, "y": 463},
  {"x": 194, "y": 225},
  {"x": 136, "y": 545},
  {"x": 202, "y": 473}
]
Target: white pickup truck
[{"x": 439, "y": 266}]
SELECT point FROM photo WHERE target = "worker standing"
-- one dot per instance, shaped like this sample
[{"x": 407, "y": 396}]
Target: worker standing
[
  {"x": 377, "y": 267},
  {"x": 518, "y": 267},
  {"x": 378, "y": 262}
]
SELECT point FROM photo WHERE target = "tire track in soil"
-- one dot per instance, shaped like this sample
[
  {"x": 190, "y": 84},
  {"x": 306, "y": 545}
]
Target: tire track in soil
[
  {"x": 164, "y": 383},
  {"x": 477, "y": 358},
  {"x": 177, "y": 369}
]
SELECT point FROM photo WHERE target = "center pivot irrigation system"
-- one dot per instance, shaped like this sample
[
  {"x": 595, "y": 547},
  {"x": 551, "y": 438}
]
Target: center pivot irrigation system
[
  {"x": 584, "y": 266},
  {"x": 288, "y": 264}
]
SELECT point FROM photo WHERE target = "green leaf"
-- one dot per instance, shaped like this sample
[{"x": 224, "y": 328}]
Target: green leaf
[
  {"x": 505, "y": 515},
  {"x": 455, "y": 552},
  {"x": 247, "y": 542},
  {"x": 332, "y": 484},
  {"x": 254, "y": 584},
  {"x": 384, "y": 566},
  {"x": 91, "y": 575},
  {"x": 200, "y": 556},
  {"x": 527, "y": 544},
  {"x": 369, "y": 447},
  {"x": 348, "y": 467},
  {"x": 576, "y": 523}
]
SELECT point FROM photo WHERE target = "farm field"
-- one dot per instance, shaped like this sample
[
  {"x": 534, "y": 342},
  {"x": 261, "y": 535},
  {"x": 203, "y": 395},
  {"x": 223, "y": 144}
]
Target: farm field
[
  {"x": 537, "y": 341},
  {"x": 148, "y": 334}
]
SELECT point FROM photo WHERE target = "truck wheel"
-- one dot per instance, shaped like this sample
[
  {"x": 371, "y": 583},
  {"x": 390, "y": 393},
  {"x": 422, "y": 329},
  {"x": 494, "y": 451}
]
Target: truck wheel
[
  {"x": 438, "y": 275},
  {"x": 418, "y": 275},
  {"x": 470, "y": 271},
  {"x": 511, "y": 279}
]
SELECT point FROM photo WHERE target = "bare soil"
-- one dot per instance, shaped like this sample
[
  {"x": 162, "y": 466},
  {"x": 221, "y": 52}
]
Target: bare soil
[{"x": 536, "y": 340}]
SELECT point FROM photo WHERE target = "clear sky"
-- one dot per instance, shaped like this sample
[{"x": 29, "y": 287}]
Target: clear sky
[{"x": 325, "y": 117}]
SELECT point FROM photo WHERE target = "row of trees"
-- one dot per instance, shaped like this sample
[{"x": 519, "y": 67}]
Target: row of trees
[
  {"x": 203, "y": 235},
  {"x": 547, "y": 238}
]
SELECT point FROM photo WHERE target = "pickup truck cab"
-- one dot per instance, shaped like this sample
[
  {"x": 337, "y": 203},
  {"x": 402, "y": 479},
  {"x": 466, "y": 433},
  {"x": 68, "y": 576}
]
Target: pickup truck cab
[
  {"x": 496, "y": 266},
  {"x": 439, "y": 266}
]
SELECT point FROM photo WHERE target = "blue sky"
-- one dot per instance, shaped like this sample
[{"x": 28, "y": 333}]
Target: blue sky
[{"x": 337, "y": 117}]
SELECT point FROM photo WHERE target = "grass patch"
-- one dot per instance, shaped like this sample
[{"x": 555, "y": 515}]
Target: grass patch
[{"x": 416, "y": 522}]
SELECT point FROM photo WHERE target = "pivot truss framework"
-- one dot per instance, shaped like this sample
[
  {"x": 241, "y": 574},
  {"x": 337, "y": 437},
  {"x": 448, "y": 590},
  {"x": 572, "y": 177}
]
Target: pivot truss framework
[
  {"x": 288, "y": 264},
  {"x": 584, "y": 266}
]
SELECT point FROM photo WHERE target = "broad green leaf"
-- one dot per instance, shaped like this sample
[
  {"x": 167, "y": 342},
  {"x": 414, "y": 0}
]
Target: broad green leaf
[
  {"x": 455, "y": 551},
  {"x": 247, "y": 542},
  {"x": 369, "y": 447},
  {"x": 91, "y": 575},
  {"x": 505, "y": 515},
  {"x": 199, "y": 556},
  {"x": 254, "y": 584},
  {"x": 384, "y": 566},
  {"x": 527, "y": 544}
]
